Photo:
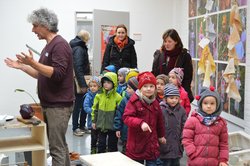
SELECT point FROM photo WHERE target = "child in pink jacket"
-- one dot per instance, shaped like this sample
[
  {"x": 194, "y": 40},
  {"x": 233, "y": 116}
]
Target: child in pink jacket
[
  {"x": 175, "y": 77},
  {"x": 205, "y": 135}
]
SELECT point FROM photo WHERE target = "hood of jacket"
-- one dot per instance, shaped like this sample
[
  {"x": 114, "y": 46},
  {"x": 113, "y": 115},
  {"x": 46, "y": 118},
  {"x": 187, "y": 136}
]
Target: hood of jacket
[
  {"x": 112, "y": 77},
  {"x": 77, "y": 42}
]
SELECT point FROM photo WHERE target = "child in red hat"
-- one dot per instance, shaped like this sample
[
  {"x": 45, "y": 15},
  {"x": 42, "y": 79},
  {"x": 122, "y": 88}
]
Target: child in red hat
[{"x": 144, "y": 119}]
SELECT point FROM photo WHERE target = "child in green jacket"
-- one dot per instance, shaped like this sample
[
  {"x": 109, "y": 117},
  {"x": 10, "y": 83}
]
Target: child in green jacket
[{"x": 103, "y": 113}]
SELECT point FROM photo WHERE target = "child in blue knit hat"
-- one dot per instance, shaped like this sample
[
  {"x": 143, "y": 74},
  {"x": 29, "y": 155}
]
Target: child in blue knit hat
[{"x": 175, "y": 118}]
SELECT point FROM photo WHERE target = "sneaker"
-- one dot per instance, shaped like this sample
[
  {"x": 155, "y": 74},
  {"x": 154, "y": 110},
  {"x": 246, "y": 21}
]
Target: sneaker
[
  {"x": 78, "y": 132},
  {"x": 86, "y": 130}
]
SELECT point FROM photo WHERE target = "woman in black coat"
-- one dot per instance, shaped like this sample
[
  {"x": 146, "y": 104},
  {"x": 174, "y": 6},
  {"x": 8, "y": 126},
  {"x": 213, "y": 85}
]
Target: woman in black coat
[
  {"x": 81, "y": 68},
  {"x": 120, "y": 50},
  {"x": 171, "y": 55}
]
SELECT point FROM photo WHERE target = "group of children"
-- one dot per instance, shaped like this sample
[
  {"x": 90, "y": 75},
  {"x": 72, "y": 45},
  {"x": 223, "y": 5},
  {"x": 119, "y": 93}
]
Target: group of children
[{"x": 149, "y": 115}]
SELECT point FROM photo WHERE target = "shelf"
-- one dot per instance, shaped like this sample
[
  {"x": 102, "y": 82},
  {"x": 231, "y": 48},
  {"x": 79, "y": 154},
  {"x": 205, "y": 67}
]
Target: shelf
[
  {"x": 20, "y": 144},
  {"x": 35, "y": 141}
]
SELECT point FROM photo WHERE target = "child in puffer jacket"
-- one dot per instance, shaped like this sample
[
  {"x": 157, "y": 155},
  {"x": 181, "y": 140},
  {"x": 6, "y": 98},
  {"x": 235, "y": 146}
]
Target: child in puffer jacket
[
  {"x": 205, "y": 134},
  {"x": 144, "y": 119},
  {"x": 94, "y": 86}
]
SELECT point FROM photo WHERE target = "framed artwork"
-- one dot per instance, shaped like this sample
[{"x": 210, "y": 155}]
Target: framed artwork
[
  {"x": 201, "y": 7},
  {"x": 242, "y": 2},
  {"x": 192, "y": 38},
  {"x": 241, "y": 45},
  {"x": 215, "y": 6},
  {"x": 192, "y": 8},
  {"x": 193, "y": 83},
  {"x": 211, "y": 33},
  {"x": 237, "y": 108},
  {"x": 224, "y": 4},
  {"x": 223, "y": 36},
  {"x": 222, "y": 86},
  {"x": 201, "y": 33}
]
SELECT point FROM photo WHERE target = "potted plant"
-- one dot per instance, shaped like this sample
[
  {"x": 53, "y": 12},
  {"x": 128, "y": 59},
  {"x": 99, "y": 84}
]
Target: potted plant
[{"x": 35, "y": 106}]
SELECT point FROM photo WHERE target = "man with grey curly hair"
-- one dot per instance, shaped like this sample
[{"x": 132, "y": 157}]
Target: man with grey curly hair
[
  {"x": 44, "y": 17},
  {"x": 54, "y": 74}
]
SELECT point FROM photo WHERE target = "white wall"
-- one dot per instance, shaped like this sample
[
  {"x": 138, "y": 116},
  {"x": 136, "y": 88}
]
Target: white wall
[{"x": 148, "y": 17}]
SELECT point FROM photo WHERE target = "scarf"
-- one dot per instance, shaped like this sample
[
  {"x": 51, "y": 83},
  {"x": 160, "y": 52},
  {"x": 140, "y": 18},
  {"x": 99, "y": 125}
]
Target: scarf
[
  {"x": 120, "y": 43},
  {"x": 208, "y": 120},
  {"x": 144, "y": 98},
  {"x": 171, "y": 58}
]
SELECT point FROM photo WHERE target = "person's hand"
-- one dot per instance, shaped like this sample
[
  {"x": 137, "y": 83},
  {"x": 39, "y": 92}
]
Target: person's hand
[
  {"x": 145, "y": 127},
  {"x": 26, "y": 59},
  {"x": 162, "y": 140},
  {"x": 94, "y": 126},
  {"x": 13, "y": 63},
  {"x": 84, "y": 89},
  {"x": 118, "y": 134},
  {"x": 222, "y": 164}
]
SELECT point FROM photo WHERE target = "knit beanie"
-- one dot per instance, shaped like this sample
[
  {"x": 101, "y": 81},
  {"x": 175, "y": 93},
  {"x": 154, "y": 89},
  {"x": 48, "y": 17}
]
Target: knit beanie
[
  {"x": 163, "y": 77},
  {"x": 96, "y": 80},
  {"x": 205, "y": 92},
  {"x": 133, "y": 83},
  {"x": 123, "y": 71},
  {"x": 131, "y": 73},
  {"x": 146, "y": 78},
  {"x": 179, "y": 74},
  {"x": 171, "y": 90}
]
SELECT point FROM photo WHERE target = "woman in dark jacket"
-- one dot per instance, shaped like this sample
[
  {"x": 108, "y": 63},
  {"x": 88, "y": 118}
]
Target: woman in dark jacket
[
  {"x": 171, "y": 55},
  {"x": 81, "y": 68},
  {"x": 120, "y": 50}
]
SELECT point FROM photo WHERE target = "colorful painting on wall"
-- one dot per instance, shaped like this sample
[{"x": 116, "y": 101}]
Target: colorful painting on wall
[{"x": 211, "y": 19}]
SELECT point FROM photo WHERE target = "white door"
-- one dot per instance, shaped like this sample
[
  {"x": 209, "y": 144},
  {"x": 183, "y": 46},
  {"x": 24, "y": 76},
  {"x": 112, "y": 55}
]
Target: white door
[{"x": 104, "y": 21}]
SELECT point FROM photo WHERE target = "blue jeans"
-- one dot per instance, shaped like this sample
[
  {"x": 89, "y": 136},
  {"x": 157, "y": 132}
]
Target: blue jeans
[
  {"x": 89, "y": 121},
  {"x": 78, "y": 112}
]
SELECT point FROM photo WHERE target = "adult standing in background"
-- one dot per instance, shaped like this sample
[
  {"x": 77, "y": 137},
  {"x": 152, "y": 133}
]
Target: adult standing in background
[
  {"x": 120, "y": 50},
  {"x": 171, "y": 55},
  {"x": 54, "y": 72},
  {"x": 81, "y": 68}
]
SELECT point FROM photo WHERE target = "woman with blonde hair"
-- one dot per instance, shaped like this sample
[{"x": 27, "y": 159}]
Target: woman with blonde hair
[{"x": 81, "y": 68}]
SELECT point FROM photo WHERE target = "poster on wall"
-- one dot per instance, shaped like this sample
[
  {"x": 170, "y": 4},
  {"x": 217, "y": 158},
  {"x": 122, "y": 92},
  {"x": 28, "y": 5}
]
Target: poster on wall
[{"x": 106, "y": 32}]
